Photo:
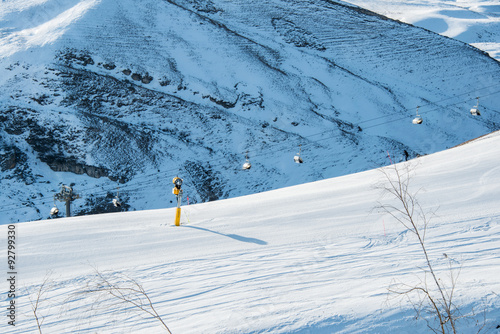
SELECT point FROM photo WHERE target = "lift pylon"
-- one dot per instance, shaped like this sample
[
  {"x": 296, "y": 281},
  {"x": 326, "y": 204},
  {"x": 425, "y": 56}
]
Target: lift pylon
[{"x": 66, "y": 195}]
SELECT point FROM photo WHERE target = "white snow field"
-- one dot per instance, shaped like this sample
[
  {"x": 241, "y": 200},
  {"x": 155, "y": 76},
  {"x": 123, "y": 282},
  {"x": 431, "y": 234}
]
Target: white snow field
[
  {"x": 475, "y": 22},
  {"x": 313, "y": 258}
]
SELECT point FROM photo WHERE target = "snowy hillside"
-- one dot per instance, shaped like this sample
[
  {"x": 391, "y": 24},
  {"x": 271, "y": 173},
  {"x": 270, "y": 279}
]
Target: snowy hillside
[
  {"x": 101, "y": 95},
  {"x": 313, "y": 258},
  {"x": 475, "y": 22}
]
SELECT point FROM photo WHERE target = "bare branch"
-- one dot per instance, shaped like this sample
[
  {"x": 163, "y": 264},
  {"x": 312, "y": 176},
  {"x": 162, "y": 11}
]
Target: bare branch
[
  {"x": 409, "y": 213},
  {"x": 129, "y": 291},
  {"x": 35, "y": 304}
]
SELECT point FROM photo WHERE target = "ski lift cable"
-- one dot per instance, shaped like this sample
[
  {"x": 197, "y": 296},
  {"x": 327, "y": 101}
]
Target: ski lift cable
[
  {"x": 254, "y": 154},
  {"x": 324, "y": 132},
  {"x": 130, "y": 187},
  {"x": 382, "y": 123},
  {"x": 124, "y": 188},
  {"x": 436, "y": 102},
  {"x": 381, "y": 117},
  {"x": 410, "y": 110}
]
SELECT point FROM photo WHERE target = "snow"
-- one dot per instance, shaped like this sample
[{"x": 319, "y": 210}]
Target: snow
[
  {"x": 476, "y": 22},
  {"x": 308, "y": 96},
  {"x": 313, "y": 258},
  {"x": 37, "y": 30}
]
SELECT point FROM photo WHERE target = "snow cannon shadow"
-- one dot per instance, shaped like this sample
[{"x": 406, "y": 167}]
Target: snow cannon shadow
[{"x": 232, "y": 236}]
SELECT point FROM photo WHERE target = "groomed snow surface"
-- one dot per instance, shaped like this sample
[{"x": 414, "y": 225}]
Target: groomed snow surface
[
  {"x": 289, "y": 96},
  {"x": 314, "y": 258}
]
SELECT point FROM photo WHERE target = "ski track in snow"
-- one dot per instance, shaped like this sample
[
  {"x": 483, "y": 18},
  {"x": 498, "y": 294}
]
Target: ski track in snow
[
  {"x": 310, "y": 258},
  {"x": 248, "y": 54}
]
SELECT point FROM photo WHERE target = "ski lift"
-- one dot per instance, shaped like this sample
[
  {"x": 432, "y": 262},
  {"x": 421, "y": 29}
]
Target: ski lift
[
  {"x": 54, "y": 211},
  {"x": 116, "y": 200},
  {"x": 475, "y": 111},
  {"x": 116, "y": 203},
  {"x": 297, "y": 158},
  {"x": 247, "y": 164},
  {"x": 418, "y": 119}
]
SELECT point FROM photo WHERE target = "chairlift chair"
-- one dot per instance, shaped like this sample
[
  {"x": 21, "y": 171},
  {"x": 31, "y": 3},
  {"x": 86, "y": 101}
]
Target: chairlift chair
[
  {"x": 297, "y": 158},
  {"x": 54, "y": 211},
  {"x": 475, "y": 111},
  {"x": 116, "y": 200},
  {"x": 418, "y": 119},
  {"x": 247, "y": 164},
  {"x": 116, "y": 203}
]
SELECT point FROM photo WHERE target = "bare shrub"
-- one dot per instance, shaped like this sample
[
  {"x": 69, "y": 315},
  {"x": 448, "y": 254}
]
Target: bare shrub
[
  {"x": 124, "y": 290},
  {"x": 40, "y": 296},
  {"x": 431, "y": 293}
]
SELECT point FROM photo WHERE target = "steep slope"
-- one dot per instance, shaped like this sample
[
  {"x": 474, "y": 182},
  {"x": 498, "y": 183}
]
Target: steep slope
[{"x": 133, "y": 94}]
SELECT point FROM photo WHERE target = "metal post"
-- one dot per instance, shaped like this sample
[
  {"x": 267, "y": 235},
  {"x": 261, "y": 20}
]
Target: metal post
[
  {"x": 178, "y": 210},
  {"x": 177, "y": 191},
  {"x": 66, "y": 195},
  {"x": 68, "y": 208}
]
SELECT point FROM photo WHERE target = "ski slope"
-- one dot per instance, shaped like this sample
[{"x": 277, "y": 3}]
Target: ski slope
[{"x": 313, "y": 258}]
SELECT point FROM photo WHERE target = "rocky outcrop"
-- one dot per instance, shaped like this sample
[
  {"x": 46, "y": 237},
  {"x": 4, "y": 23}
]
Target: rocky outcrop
[{"x": 71, "y": 165}]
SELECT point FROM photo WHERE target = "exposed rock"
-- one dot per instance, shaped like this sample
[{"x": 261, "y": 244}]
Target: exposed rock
[
  {"x": 295, "y": 35},
  {"x": 207, "y": 182},
  {"x": 146, "y": 79},
  {"x": 71, "y": 165},
  {"x": 109, "y": 66},
  {"x": 225, "y": 104},
  {"x": 9, "y": 158},
  {"x": 75, "y": 57},
  {"x": 103, "y": 204},
  {"x": 136, "y": 76}
]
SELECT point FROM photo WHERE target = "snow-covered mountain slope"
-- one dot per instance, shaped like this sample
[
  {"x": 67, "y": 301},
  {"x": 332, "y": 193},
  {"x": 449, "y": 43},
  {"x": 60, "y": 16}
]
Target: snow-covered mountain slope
[
  {"x": 475, "y": 22},
  {"x": 312, "y": 258},
  {"x": 102, "y": 94}
]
